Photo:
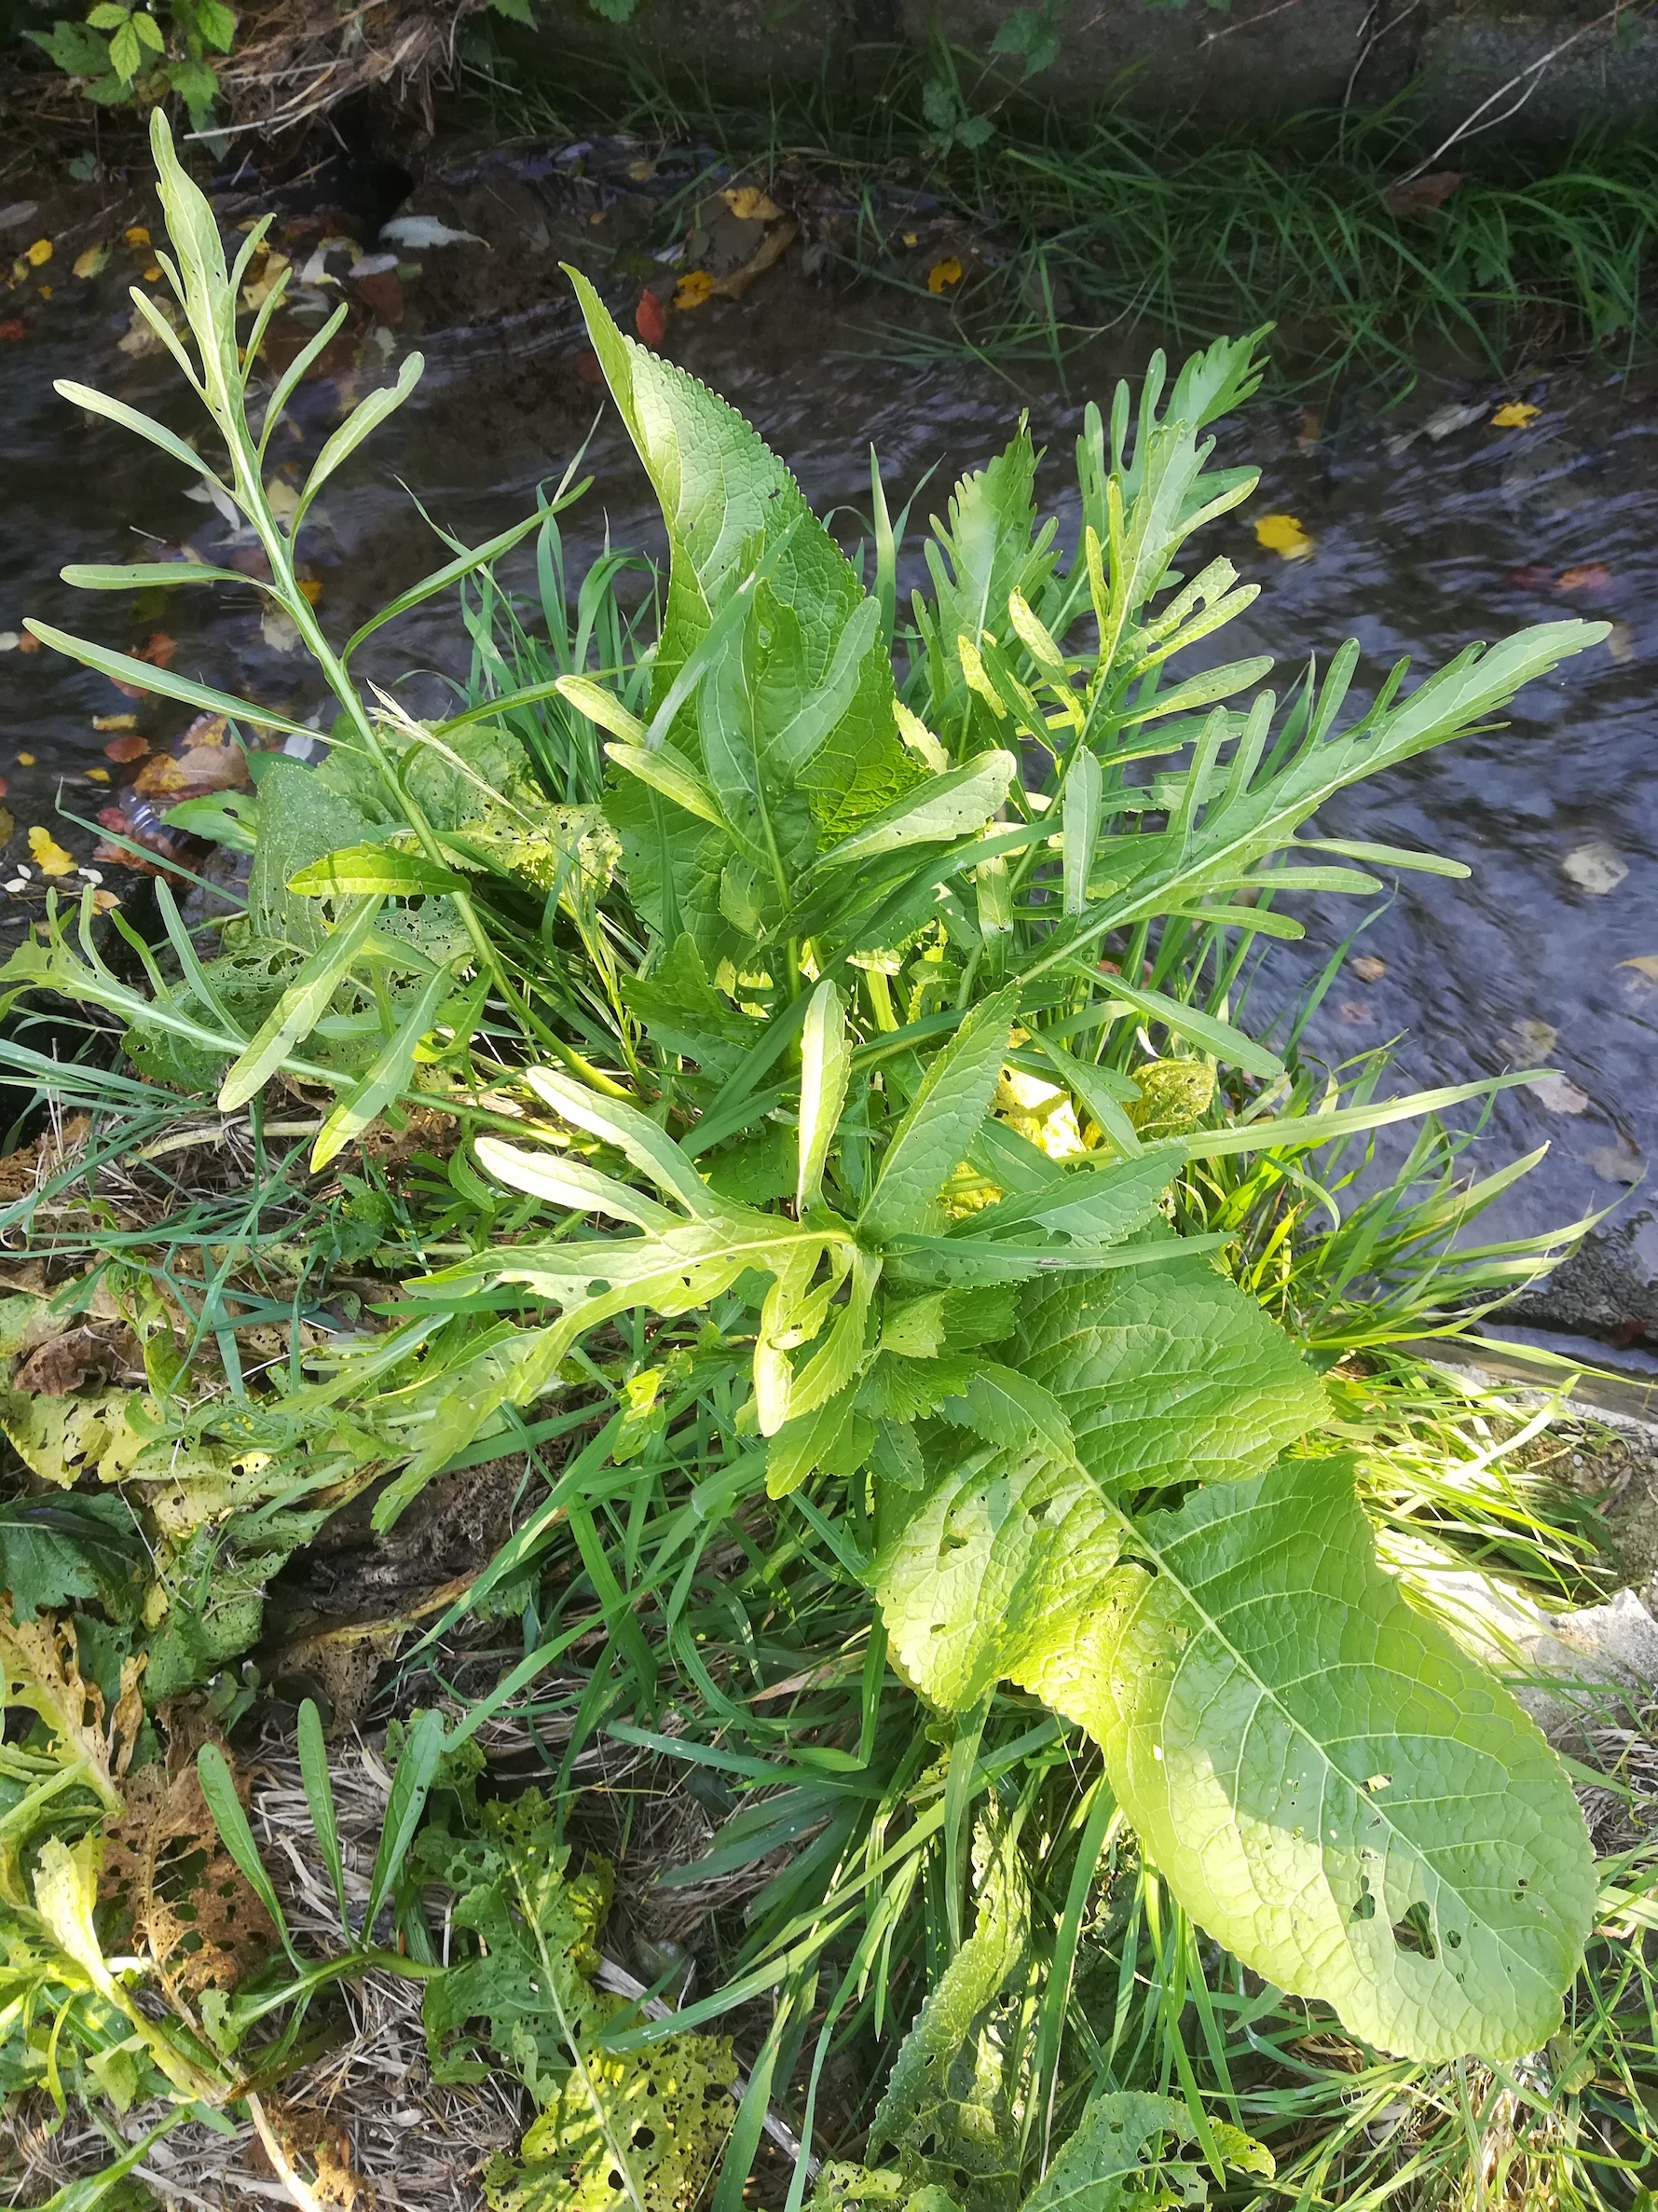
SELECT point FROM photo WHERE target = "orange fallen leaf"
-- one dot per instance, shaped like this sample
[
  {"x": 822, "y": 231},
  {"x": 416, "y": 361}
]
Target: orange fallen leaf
[
  {"x": 48, "y": 854},
  {"x": 1515, "y": 413},
  {"x": 130, "y": 747},
  {"x": 943, "y": 274},
  {"x": 651, "y": 319},
  {"x": 158, "y": 649},
  {"x": 40, "y": 253},
  {"x": 1282, "y": 534},
  {"x": 1592, "y": 576},
  {"x": 693, "y": 290},
  {"x": 28, "y": 643}
]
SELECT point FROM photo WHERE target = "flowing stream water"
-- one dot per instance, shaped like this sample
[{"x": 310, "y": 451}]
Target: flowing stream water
[{"x": 1547, "y": 953}]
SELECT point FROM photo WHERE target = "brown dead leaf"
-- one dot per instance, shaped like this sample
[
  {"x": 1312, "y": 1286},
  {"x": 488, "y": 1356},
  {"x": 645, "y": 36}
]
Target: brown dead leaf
[
  {"x": 1368, "y": 968},
  {"x": 23, "y": 1172},
  {"x": 130, "y": 747},
  {"x": 166, "y": 1868},
  {"x": 66, "y": 1363},
  {"x": 210, "y": 761},
  {"x": 773, "y": 244},
  {"x": 1423, "y": 195}
]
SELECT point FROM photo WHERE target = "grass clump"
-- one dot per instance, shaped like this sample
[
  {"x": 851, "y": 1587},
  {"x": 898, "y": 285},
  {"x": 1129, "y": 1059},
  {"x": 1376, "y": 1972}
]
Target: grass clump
[
  {"x": 1067, "y": 226},
  {"x": 769, "y": 1073}
]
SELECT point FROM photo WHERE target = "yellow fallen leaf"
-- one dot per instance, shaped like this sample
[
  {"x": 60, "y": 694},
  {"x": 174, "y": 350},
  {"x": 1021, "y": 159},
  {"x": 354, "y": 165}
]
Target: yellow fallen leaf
[
  {"x": 1515, "y": 413},
  {"x": 138, "y": 236},
  {"x": 1282, "y": 534},
  {"x": 105, "y": 901},
  {"x": 40, "y": 253},
  {"x": 152, "y": 274},
  {"x": 115, "y": 721},
  {"x": 943, "y": 274},
  {"x": 912, "y": 238},
  {"x": 25, "y": 760},
  {"x": 1644, "y": 964},
  {"x": 91, "y": 263},
  {"x": 691, "y": 290},
  {"x": 97, "y": 774},
  {"x": 749, "y": 204},
  {"x": 312, "y": 588},
  {"x": 45, "y": 291},
  {"x": 284, "y": 500},
  {"x": 48, "y": 854}
]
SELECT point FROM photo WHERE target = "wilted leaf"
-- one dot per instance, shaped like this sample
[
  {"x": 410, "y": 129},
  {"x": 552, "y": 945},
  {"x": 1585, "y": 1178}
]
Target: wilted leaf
[
  {"x": 1282, "y": 534},
  {"x": 167, "y": 1869},
  {"x": 417, "y": 232},
  {"x": 1596, "y": 868},
  {"x": 749, "y": 204},
  {"x": 1594, "y": 576},
  {"x": 48, "y": 854},
  {"x": 64, "y": 1363},
  {"x": 1515, "y": 413},
  {"x": 1423, "y": 195},
  {"x": 1560, "y": 1094}
]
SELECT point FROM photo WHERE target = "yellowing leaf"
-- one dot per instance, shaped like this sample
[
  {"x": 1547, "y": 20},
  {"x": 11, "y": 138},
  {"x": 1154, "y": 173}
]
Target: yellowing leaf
[
  {"x": 692, "y": 289},
  {"x": 49, "y": 855},
  {"x": 91, "y": 262},
  {"x": 749, "y": 204},
  {"x": 943, "y": 274},
  {"x": 40, "y": 253},
  {"x": 1515, "y": 413},
  {"x": 1282, "y": 534}
]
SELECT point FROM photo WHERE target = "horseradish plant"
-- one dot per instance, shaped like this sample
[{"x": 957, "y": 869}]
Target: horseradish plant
[{"x": 852, "y": 993}]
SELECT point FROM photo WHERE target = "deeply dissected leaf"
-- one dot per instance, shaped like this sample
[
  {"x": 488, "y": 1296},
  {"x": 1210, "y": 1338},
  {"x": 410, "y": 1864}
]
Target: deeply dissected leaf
[
  {"x": 954, "y": 2104},
  {"x": 1335, "y": 1792}
]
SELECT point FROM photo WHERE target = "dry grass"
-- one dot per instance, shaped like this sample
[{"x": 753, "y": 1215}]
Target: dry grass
[{"x": 295, "y": 60}]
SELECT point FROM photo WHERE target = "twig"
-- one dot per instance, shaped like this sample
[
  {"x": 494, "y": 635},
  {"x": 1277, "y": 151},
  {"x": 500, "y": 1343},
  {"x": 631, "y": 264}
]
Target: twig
[
  {"x": 1246, "y": 23},
  {"x": 1470, "y": 125}
]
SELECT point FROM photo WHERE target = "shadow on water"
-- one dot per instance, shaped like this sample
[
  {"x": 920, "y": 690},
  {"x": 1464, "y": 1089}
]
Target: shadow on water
[{"x": 1548, "y": 953}]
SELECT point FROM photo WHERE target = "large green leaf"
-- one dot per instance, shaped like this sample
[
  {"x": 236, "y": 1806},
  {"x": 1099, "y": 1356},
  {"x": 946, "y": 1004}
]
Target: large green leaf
[
  {"x": 1167, "y": 1374},
  {"x": 1002, "y": 1557},
  {"x": 793, "y": 722},
  {"x": 1333, "y": 1790}
]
